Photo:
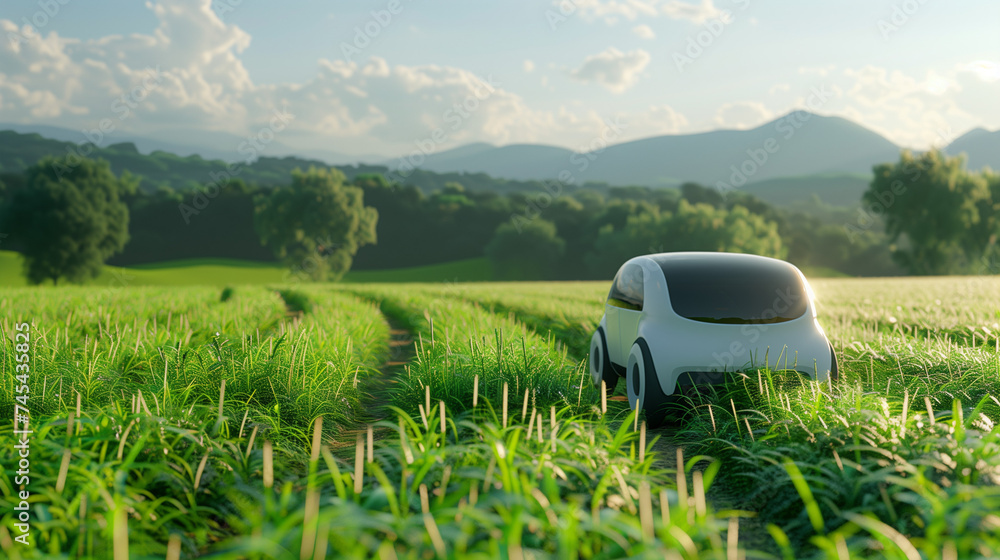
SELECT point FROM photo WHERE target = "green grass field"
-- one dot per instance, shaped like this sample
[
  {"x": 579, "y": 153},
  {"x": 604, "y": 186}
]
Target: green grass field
[
  {"x": 233, "y": 423},
  {"x": 221, "y": 272}
]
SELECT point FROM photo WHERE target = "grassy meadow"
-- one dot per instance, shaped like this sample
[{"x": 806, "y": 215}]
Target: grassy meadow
[
  {"x": 222, "y": 272},
  {"x": 240, "y": 421}
]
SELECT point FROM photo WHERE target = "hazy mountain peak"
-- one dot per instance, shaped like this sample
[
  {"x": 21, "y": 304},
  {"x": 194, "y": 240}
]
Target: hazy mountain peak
[
  {"x": 982, "y": 147},
  {"x": 795, "y": 144}
]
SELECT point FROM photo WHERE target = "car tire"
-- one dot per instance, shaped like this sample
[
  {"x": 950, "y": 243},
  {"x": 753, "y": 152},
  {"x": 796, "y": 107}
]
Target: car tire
[
  {"x": 834, "y": 369},
  {"x": 643, "y": 386},
  {"x": 600, "y": 363}
]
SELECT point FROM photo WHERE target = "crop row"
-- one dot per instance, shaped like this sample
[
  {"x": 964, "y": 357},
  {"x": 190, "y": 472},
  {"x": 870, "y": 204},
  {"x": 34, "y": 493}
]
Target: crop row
[
  {"x": 465, "y": 350},
  {"x": 177, "y": 347}
]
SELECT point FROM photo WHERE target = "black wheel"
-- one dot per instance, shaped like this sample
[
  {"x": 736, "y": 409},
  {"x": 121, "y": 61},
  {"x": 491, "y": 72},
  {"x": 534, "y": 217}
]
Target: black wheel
[
  {"x": 834, "y": 370},
  {"x": 644, "y": 392},
  {"x": 600, "y": 363}
]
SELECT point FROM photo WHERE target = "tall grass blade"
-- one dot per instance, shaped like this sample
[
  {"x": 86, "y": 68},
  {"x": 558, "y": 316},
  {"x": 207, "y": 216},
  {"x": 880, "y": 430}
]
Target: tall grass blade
[
  {"x": 174, "y": 547},
  {"x": 63, "y": 470},
  {"x": 812, "y": 508},
  {"x": 646, "y": 511},
  {"x": 371, "y": 444},
  {"x": 359, "y": 462},
  {"x": 268, "y": 464}
]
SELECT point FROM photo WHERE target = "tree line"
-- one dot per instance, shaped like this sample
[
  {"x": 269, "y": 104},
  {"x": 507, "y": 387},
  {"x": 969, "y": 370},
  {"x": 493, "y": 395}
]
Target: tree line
[{"x": 924, "y": 214}]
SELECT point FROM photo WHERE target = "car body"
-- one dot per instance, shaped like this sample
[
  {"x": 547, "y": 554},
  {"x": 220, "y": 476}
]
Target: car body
[{"x": 675, "y": 321}]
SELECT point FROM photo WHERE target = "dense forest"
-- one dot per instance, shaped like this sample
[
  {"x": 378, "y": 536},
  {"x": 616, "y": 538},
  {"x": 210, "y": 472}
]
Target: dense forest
[{"x": 586, "y": 227}]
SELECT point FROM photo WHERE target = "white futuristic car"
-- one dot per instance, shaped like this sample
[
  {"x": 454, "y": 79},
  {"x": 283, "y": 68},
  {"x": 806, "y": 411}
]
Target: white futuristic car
[{"x": 674, "y": 321}]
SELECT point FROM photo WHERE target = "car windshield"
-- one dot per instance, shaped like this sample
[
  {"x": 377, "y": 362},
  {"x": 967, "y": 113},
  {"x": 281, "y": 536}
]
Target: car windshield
[{"x": 734, "y": 290}]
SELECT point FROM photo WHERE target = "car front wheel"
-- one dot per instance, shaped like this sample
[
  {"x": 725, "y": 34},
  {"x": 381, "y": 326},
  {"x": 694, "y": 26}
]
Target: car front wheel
[{"x": 644, "y": 392}]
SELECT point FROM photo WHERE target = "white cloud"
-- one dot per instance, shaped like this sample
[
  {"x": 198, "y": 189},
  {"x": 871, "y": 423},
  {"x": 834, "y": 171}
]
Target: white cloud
[
  {"x": 936, "y": 84},
  {"x": 202, "y": 86},
  {"x": 644, "y": 32},
  {"x": 913, "y": 111},
  {"x": 908, "y": 110},
  {"x": 987, "y": 70},
  {"x": 656, "y": 120},
  {"x": 742, "y": 115},
  {"x": 201, "y": 79},
  {"x": 612, "y": 11},
  {"x": 698, "y": 13},
  {"x": 613, "y": 69}
]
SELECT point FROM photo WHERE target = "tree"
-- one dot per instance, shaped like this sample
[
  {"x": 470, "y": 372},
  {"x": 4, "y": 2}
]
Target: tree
[
  {"x": 987, "y": 234},
  {"x": 571, "y": 220},
  {"x": 451, "y": 197},
  {"x": 316, "y": 224},
  {"x": 697, "y": 194},
  {"x": 527, "y": 251},
  {"x": 937, "y": 213},
  {"x": 69, "y": 218},
  {"x": 697, "y": 227}
]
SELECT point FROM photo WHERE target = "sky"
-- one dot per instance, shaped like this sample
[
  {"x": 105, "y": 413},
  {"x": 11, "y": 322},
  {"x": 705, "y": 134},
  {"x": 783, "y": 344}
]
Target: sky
[{"x": 387, "y": 77}]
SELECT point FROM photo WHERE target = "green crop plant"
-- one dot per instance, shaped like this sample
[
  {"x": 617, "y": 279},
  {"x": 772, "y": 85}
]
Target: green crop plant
[{"x": 463, "y": 348}]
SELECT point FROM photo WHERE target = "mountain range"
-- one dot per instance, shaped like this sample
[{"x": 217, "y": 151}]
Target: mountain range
[
  {"x": 207, "y": 144},
  {"x": 794, "y": 145},
  {"x": 784, "y": 161}
]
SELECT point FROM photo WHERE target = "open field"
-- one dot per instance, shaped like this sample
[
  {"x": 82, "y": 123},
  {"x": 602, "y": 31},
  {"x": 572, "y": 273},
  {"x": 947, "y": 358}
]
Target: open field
[
  {"x": 222, "y": 272},
  {"x": 198, "y": 428}
]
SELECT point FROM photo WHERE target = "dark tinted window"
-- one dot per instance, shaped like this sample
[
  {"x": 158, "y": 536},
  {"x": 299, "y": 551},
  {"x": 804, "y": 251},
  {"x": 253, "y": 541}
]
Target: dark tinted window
[
  {"x": 734, "y": 290},
  {"x": 626, "y": 290}
]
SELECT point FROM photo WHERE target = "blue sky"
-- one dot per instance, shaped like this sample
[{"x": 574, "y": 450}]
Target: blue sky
[{"x": 917, "y": 72}]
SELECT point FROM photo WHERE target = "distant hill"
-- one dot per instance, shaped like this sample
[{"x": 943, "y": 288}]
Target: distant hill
[
  {"x": 801, "y": 144},
  {"x": 454, "y": 154},
  {"x": 981, "y": 146},
  {"x": 515, "y": 161},
  {"x": 19, "y": 151},
  {"x": 143, "y": 144},
  {"x": 835, "y": 190},
  {"x": 207, "y": 144}
]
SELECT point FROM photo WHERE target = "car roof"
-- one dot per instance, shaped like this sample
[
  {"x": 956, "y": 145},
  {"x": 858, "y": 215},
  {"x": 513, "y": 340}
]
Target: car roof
[
  {"x": 693, "y": 262},
  {"x": 695, "y": 258},
  {"x": 732, "y": 287}
]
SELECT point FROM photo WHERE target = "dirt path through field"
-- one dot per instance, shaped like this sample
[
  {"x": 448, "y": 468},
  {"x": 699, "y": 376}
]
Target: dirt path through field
[
  {"x": 379, "y": 387},
  {"x": 401, "y": 351}
]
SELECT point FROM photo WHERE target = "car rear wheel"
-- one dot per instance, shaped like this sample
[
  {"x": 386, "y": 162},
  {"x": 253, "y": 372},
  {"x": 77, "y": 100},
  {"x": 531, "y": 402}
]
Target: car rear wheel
[
  {"x": 644, "y": 392},
  {"x": 600, "y": 363}
]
